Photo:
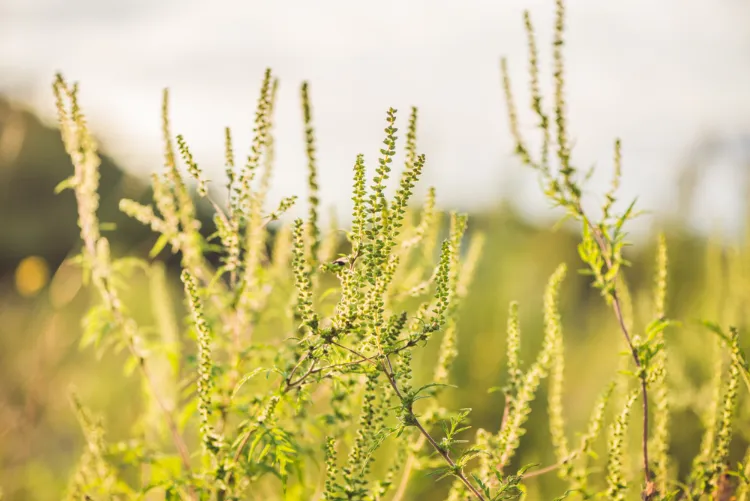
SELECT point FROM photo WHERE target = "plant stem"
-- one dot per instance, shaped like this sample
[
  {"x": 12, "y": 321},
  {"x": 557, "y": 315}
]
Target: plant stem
[
  {"x": 176, "y": 437},
  {"x": 636, "y": 358},
  {"x": 111, "y": 297},
  {"x": 410, "y": 462},
  {"x": 413, "y": 418}
]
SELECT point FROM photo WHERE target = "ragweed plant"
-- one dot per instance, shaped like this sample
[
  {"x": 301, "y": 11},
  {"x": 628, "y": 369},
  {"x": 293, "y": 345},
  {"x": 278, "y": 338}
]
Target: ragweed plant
[
  {"x": 601, "y": 250},
  {"x": 235, "y": 433},
  {"x": 294, "y": 376}
]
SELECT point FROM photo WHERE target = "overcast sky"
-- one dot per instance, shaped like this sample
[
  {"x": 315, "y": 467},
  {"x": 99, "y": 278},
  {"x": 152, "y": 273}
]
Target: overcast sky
[{"x": 657, "y": 73}]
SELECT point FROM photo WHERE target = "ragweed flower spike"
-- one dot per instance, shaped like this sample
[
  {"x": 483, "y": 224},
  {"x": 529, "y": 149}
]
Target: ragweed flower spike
[
  {"x": 302, "y": 279},
  {"x": 211, "y": 441},
  {"x": 193, "y": 168},
  {"x": 312, "y": 176}
]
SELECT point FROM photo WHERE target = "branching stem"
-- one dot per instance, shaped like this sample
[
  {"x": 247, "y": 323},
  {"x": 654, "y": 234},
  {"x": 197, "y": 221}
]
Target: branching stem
[
  {"x": 616, "y": 305},
  {"x": 415, "y": 420}
]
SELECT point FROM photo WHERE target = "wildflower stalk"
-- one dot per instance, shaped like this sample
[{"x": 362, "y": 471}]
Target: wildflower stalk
[
  {"x": 724, "y": 430},
  {"x": 601, "y": 248},
  {"x": 617, "y": 435},
  {"x": 82, "y": 150},
  {"x": 512, "y": 427},
  {"x": 93, "y": 470},
  {"x": 312, "y": 180},
  {"x": 414, "y": 421},
  {"x": 211, "y": 442},
  {"x": 661, "y": 416},
  {"x": 448, "y": 346}
]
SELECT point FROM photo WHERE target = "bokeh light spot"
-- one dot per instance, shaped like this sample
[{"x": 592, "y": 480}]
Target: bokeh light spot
[{"x": 31, "y": 275}]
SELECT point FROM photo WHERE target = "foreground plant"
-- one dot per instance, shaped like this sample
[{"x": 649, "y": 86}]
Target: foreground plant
[{"x": 295, "y": 377}]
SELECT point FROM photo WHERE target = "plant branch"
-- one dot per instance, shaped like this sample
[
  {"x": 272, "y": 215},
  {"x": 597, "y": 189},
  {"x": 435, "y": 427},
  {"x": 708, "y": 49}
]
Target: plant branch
[
  {"x": 362, "y": 359},
  {"x": 440, "y": 450},
  {"x": 408, "y": 467},
  {"x": 616, "y": 305},
  {"x": 113, "y": 301}
]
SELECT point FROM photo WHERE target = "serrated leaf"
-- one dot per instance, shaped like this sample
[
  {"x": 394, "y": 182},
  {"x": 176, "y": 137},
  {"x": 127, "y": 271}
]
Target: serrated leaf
[{"x": 264, "y": 452}]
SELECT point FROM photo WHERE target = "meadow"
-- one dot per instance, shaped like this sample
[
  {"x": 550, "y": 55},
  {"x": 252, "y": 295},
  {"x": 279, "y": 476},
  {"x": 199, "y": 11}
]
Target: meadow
[{"x": 413, "y": 354}]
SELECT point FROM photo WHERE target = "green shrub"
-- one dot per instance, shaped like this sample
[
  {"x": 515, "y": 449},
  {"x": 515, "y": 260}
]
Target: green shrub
[{"x": 294, "y": 377}]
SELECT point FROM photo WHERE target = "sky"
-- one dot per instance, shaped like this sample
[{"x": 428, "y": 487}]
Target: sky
[{"x": 660, "y": 75}]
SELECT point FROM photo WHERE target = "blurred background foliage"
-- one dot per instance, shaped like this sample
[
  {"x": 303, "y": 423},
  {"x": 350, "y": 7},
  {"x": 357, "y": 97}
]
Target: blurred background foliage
[{"x": 42, "y": 302}]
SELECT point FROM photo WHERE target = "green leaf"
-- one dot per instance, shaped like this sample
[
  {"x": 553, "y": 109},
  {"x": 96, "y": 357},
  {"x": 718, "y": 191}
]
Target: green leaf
[
  {"x": 161, "y": 242},
  {"x": 566, "y": 494},
  {"x": 716, "y": 329},
  {"x": 264, "y": 452},
  {"x": 429, "y": 386},
  {"x": 245, "y": 379},
  {"x": 626, "y": 215},
  {"x": 65, "y": 184},
  {"x": 96, "y": 325},
  {"x": 655, "y": 327},
  {"x": 130, "y": 364}
]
